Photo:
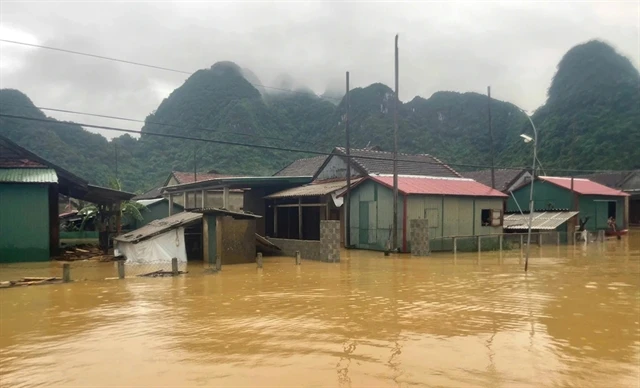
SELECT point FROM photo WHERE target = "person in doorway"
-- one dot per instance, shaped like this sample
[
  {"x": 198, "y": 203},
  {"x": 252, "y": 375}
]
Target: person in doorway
[{"x": 612, "y": 223}]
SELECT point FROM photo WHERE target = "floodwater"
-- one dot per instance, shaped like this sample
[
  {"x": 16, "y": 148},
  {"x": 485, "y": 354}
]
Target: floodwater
[{"x": 573, "y": 320}]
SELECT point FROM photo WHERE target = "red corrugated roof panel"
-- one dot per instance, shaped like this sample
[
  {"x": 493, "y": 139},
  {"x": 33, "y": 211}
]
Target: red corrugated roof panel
[
  {"x": 583, "y": 186},
  {"x": 423, "y": 185}
]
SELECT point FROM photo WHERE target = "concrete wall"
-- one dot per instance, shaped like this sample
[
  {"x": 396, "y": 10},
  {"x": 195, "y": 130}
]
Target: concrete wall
[
  {"x": 309, "y": 250},
  {"x": 336, "y": 168},
  {"x": 419, "y": 237}
]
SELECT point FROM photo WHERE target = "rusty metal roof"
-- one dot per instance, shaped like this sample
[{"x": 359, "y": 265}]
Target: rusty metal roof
[
  {"x": 160, "y": 226},
  {"x": 312, "y": 189},
  {"x": 225, "y": 212},
  {"x": 426, "y": 185},
  {"x": 541, "y": 220},
  {"x": 28, "y": 175},
  {"x": 583, "y": 186}
]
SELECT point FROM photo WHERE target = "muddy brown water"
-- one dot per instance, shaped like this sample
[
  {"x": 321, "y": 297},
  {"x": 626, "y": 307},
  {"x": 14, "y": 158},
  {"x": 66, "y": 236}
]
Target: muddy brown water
[{"x": 573, "y": 320}]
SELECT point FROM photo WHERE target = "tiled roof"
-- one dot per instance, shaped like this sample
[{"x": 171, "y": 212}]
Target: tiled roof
[
  {"x": 425, "y": 185},
  {"x": 151, "y": 194},
  {"x": 380, "y": 162},
  {"x": 504, "y": 177},
  {"x": 28, "y": 175},
  {"x": 303, "y": 167},
  {"x": 187, "y": 177},
  {"x": 583, "y": 186}
]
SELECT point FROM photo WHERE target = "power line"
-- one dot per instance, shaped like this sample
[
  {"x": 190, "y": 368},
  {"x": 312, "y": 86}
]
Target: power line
[
  {"x": 205, "y": 129},
  {"x": 276, "y": 148},
  {"x": 151, "y": 66}
]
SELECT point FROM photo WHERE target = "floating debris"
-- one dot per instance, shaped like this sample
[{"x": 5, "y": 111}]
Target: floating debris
[
  {"x": 30, "y": 281},
  {"x": 161, "y": 273}
]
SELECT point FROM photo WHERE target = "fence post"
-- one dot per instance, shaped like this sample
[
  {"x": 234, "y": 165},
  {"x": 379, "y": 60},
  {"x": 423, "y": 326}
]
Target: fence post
[
  {"x": 120, "y": 269},
  {"x": 601, "y": 235},
  {"x": 558, "y": 238},
  {"x": 500, "y": 242},
  {"x": 174, "y": 266},
  {"x": 66, "y": 272},
  {"x": 298, "y": 259},
  {"x": 539, "y": 239},
  {"x": 218, "y": 263},
  {"x": 479, "y": 243},
  {"x": 259, "y": 259},
  {"x": 455, "y": 245}
]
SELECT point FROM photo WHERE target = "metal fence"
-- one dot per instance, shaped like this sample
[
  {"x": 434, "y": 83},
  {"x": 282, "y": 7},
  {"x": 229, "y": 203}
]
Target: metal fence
[{"x": 495, "y": 242}]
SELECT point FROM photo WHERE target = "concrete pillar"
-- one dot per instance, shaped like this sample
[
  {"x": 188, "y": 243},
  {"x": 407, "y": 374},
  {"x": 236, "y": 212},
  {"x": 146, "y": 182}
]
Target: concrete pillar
[
  {"x": 203, "y": 201},
  {"x": 170, "y": 204},
  {"x": 225, "y": 198},
  {"x": 330, "y": 241},
  {"x": 259, "y": 260},
  {"x": 420, "y": 237}
]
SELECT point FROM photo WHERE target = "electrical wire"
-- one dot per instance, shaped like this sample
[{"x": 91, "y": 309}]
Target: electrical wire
[
  {"x": 167, "y": 125},
  {"x": 293, "y": 150},
  {"x": 151, "y": 66}
]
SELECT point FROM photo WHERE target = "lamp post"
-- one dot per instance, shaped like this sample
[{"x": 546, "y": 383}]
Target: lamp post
[{"x": 528, "y": 139}]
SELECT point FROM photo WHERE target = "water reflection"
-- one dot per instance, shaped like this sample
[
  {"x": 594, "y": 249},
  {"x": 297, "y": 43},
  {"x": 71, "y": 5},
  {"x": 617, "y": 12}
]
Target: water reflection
[{"x": 368, "y": 321}]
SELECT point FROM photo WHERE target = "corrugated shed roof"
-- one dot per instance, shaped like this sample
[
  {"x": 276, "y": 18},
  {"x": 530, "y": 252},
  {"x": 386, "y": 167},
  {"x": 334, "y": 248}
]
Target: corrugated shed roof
[
  {"x": 504, "y": 177},
  {"x": 541, "y": 220},
  {"x": 303, "y": 167},
  {"x": 148, "y": 202},
  {"x": 312, "y": 189},
  {"x": 232, "y": 213},
  {"x": 28, "y": 175},
  {"x": 583, "y": 186},
  {"x": 425, "y": 185},
  {"x": 160, "y": 226},
  {"x": 380, "y": 162}
]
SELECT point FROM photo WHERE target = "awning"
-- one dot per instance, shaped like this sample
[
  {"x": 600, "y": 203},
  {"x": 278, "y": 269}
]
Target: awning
[
  {"x": 541, "y": 220},
  {"x": 312, "y": 190},
  {"x": 160, "y": 226}
]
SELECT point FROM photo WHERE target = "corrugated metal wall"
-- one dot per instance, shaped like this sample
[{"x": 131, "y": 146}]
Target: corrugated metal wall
[{"x": 24, "y": 223}]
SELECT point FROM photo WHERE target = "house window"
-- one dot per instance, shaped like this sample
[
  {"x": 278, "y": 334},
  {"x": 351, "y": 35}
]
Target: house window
[{"x": 491, "y": 217}]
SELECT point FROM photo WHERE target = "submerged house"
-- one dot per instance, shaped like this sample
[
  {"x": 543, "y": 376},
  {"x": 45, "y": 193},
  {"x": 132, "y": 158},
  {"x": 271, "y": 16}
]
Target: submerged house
[
  {"x": 588, "y": 198},
  {"x": 453, "y": 206},
  {"x": 215, "y": 236},
  {"x": 629, "y": 182},
  {"x": 29, "y": 190}
]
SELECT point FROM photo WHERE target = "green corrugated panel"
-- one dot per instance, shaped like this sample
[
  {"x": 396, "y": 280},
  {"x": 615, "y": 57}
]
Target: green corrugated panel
[{"x": 28, "y": 175}]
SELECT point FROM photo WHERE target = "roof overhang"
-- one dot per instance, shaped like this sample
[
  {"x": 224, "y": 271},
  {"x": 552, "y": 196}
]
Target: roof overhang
[
  {"x": 541, "y": 220},
  {"x": 238, "y": 183}
]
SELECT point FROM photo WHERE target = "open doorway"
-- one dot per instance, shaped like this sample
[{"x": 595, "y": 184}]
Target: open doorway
[{"x": 612, "y": 209}]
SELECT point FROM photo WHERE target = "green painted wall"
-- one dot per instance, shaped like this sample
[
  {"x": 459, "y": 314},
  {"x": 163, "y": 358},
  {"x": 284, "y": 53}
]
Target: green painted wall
[
  {"x": 545, "y": 194},
  {"x": 24, "y": 223},
  {"x": 157, "y": 211}
]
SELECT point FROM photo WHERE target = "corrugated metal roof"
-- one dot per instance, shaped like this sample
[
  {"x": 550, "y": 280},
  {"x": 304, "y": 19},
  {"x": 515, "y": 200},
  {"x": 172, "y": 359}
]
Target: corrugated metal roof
[
  {"x": 160, "y": 226},
  {"x": 541, "y": 220},
  {"x": 425, "y": 185},
  {"x": 232, "y": 213},
  {"x": 504, "y": 177},
  {"x": 312, "y": 189},
  {"x": 188, "y": 177},
  {"x": 28, "y": 175},
  {"x": 583, "y": 186}
]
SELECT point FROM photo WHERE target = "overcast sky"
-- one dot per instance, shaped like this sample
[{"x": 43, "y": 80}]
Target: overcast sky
[{"x": 512, "y": 46}]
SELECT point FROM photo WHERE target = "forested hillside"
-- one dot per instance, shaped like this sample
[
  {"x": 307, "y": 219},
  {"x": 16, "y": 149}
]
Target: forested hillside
[{"x": 590, "y": 120}]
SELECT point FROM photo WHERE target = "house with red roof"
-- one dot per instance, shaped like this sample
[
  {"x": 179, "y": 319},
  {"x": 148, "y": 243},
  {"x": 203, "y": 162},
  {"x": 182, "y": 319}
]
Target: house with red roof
[
  {"x": 453, "y": 206},
  {"x": 591, "y": 200}
]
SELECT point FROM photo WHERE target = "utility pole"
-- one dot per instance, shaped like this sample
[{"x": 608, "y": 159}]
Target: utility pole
[
  {"x": 195, "y": 166},
  {"x": 347, "y": 204},
  {"x": 493, "y": 170},
  {"x": 395, "y": 155},
  {"x": 115, "y": 145}
]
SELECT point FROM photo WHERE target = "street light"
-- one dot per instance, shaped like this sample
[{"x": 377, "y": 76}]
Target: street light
[{"x": 527, "y": 139}]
